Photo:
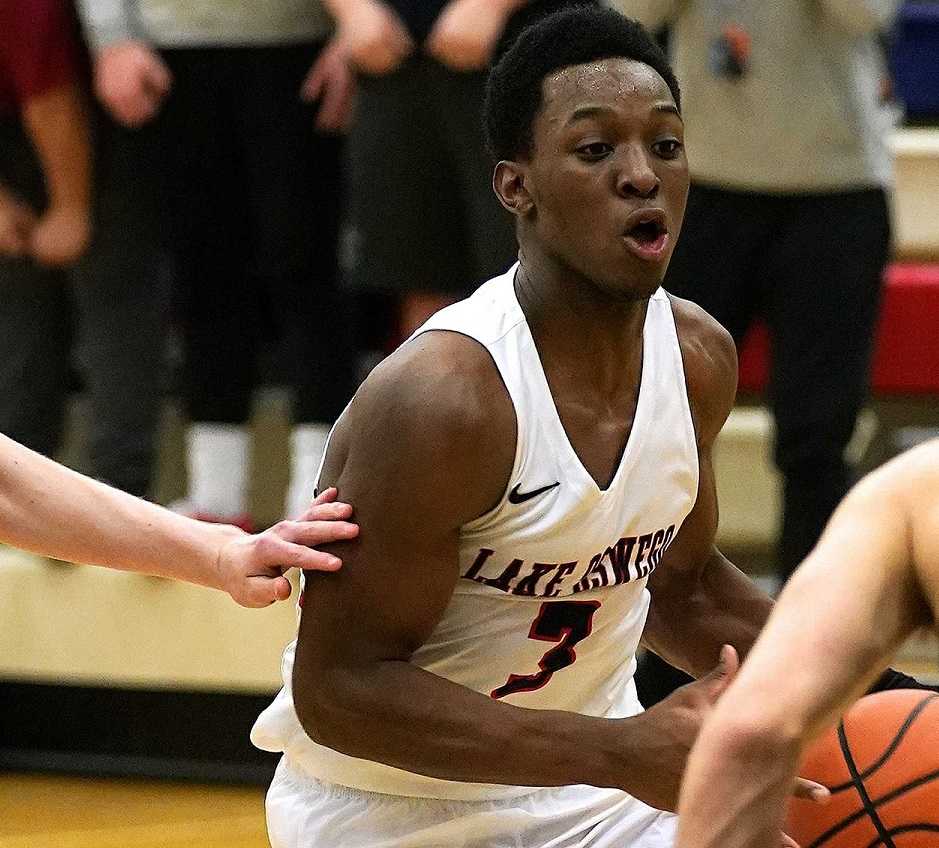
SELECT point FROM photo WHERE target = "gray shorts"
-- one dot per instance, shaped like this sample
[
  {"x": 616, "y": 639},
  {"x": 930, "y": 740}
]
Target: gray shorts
[{"x": 422, "y": 215}]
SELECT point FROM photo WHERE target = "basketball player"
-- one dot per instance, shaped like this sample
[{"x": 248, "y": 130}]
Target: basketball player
[
  {"x": 870, "y": 582},
  {"x": 53, "y": 511},
  {"x": 526, "y": 464}
]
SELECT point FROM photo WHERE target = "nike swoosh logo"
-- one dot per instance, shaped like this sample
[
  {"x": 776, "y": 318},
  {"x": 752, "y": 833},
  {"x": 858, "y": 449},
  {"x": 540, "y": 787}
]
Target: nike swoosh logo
[{"x": 517, "y": 497}]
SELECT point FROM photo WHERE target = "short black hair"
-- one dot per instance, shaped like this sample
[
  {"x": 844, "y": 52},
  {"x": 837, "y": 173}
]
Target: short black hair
[{"x": 572, "y": 36}]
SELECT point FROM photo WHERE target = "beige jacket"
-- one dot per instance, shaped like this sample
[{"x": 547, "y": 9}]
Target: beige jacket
[{"x": 806, "y": 116}]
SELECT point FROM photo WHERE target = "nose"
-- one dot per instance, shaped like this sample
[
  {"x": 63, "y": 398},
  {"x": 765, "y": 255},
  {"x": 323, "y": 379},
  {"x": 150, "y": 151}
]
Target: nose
[{"x": 635, "y": 176}]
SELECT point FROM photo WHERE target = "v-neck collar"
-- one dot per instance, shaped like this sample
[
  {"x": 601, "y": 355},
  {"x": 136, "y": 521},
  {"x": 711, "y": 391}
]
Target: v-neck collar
[{"x": 641, "y": 418}]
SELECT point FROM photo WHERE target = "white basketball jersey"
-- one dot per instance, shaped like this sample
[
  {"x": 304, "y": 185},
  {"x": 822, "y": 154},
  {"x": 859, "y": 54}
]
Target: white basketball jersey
[{"x": 551, "y": 602}]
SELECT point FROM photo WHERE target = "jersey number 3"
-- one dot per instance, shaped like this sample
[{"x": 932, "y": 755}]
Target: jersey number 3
[{"x": 564, "y": 622}]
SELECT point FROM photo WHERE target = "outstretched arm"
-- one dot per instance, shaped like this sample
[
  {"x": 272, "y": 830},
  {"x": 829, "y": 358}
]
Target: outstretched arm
[
  {"x": 872, "y": 579},
  {"x": 52, "y": 510}
]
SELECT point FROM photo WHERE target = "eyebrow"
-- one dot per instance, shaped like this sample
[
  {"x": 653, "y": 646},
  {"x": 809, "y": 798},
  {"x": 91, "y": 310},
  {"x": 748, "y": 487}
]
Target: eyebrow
[{"x": 585, "y": 112}]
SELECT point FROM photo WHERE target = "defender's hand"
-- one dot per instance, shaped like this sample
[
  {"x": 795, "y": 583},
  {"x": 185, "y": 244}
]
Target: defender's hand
[
  {"x": 131, "y": 81},
  {"x": 251, "y": 568}
]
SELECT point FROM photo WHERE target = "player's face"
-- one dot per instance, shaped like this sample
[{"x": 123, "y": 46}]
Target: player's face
[{"x": 607, "y": 176}]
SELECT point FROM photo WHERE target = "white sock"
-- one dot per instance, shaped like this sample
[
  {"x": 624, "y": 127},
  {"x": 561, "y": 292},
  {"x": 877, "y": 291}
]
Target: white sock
[
  {"x": 307, "y": 445},
  {"x": 218, "y": 468}
]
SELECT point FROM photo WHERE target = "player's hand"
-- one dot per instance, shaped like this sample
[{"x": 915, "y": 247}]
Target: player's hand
[
  {"x": 669, "y": 729},
  {"x": 131, "y": 81},
  {"x": 466, "y": 32},
  {"x": 17, "y": 220},
  {"x": 373, "y": 37},
  {"x": 60, "y": 236},
  {"x": 251, "y": 568},
  {"x": 332, "y": 82}
]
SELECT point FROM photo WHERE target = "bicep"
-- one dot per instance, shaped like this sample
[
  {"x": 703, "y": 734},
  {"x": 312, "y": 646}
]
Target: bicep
[{"x": 417, "y": 455}]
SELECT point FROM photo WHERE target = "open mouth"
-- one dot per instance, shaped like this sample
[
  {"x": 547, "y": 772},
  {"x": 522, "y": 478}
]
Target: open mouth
[
  {"x": 646, "y": 235},
  {"x": 646, "y": 232}
]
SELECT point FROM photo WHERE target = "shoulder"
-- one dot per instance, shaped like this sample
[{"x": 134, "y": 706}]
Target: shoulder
[
  {"x": 446, "y": 379},
  {"x": 710, "y": 360},
  {"x": 435, "y": 414}
]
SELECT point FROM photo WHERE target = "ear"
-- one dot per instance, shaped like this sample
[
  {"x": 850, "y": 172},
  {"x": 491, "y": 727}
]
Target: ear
[{"x": 510, "y": 183}]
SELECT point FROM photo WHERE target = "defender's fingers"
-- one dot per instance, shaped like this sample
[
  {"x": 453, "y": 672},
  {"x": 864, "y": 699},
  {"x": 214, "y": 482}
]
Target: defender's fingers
[
  {"x": 810, "y": 790},
  {"x": 326, "y": 496},
  {"x": 264, "y": 591},
  {"x": 288, "y": 555},
  {"x": 327, "y": 512}
]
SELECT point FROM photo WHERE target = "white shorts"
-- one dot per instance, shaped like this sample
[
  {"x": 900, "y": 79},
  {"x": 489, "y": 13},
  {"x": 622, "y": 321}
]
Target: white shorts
[{"x": 305, "y": 813}]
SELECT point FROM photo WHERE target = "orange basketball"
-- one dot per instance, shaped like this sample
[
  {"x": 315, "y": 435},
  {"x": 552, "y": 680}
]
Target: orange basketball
[{"x": 882, "y": 767}]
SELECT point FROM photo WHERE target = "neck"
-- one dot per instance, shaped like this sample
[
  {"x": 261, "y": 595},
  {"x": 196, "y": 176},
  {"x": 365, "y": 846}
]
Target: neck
[{"x": 590, "y": 331}]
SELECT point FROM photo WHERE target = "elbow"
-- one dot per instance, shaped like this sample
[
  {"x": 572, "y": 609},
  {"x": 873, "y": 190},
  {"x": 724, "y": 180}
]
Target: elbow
[{"x": 330, "y": 709}]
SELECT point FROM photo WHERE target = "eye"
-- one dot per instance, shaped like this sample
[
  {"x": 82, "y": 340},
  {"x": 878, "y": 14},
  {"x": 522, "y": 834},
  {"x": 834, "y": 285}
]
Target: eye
[
  {"x": 668, "y": 148},
  {"x": 594, "y": 150}
]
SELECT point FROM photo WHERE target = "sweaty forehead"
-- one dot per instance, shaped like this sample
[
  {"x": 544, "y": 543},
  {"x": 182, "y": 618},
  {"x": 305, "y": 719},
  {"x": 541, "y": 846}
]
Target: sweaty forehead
[{"x": 602, "y": 81}]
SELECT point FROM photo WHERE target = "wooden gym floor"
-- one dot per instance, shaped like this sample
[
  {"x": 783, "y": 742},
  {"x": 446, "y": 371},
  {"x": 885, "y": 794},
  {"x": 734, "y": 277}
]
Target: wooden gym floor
[{"x": 46, "y": 811}]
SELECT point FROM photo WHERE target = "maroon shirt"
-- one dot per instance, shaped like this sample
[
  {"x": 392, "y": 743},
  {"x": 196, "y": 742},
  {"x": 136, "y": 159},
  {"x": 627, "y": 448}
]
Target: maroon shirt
[{"x": 39, "y": 50}]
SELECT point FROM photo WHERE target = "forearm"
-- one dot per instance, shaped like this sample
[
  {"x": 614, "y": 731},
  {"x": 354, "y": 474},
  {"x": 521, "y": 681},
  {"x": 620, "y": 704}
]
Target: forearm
[
  {"x": 688, "y": 625},
  {"x": 57, "y": 124},
  {"x": 396, "y": 713},
  {"x": 53, "y": 511},
  {"x": 843, "y": 613}
]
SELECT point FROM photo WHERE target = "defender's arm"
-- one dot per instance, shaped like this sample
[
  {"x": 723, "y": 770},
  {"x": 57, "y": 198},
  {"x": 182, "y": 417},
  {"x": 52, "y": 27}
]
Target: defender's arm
[{"x": 872, "y": 579}]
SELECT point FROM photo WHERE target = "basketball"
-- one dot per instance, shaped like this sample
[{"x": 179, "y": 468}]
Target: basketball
[{"x": 882, "y": 767}]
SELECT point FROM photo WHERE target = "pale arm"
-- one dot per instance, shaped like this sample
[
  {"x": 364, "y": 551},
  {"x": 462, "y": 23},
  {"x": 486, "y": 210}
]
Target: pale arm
[
  {"x": 850, "y": 605},
  {"x": 54, "y": 511}
]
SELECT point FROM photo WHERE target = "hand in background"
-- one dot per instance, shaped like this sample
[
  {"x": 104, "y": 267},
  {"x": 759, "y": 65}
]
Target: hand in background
[
  {"x": 17, "y": 220},
  {"x": 251, "y": 568},
  {"x": 373, "y": 37},
  {"x": 465, "y": 35},
  {"x": 331, "y": 81},
  {"x": 131, "y": 81},
  {"x": 60, "y": 236}
]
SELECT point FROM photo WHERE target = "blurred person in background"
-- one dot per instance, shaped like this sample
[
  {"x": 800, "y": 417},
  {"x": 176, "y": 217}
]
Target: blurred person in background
[
  {"x": 787, "y": 217},
  {"x": 246, "y": 102},
  {"x": 57, "y": 261},
  {"x": 421, "y": 74}
]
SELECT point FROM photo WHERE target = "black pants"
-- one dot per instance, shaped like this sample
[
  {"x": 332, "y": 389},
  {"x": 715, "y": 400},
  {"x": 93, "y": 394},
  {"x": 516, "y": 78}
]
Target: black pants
[
  {"x": 811, "y": 266},
  {"x": 422, "y": 211},
  {"x": 118, "y": 300},
  {"x": 253, "y": 209}
]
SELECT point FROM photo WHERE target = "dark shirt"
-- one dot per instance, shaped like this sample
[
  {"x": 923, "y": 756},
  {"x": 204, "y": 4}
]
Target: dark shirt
[{"x": 39, "y": 50}]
